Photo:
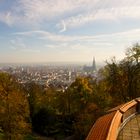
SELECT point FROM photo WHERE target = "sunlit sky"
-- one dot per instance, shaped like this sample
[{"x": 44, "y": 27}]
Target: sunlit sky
[{"x": 67, "y": 30}]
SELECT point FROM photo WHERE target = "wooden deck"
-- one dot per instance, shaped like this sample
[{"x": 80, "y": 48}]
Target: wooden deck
[{"x": 131, "y": 131}]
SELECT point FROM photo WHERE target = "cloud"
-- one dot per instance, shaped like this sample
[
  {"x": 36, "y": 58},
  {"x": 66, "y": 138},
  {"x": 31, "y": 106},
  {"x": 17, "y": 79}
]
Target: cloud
[
  {"x": 82, "y": 47},
  {"x": 57, "y": 46},
  {"x": 127, "y": 36},
  {"x": 110, "y": 14},
  {"x": 52, "y": 8},
  {"x": 102, "y": 46},
  {"x": 34, "y": 12},
  {"x": 7, "y": 18},
  {"x": 18, "y": 44},
  {"x": 13, "y": 47},
  {"x": 31, "y": 50},
  {"x": 63, "y": 27},
  {"x": 44, "y": 35},
  {"x": 68, "y": 13}
]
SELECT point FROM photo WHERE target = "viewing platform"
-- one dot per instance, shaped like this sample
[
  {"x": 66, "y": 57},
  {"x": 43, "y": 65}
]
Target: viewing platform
[{"x": 120, "y": 123}]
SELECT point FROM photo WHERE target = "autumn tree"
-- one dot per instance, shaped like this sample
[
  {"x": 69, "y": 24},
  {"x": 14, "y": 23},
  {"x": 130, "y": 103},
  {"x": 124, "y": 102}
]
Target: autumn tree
[
  {"x": 122, "y": 78},
  {"x": 42, "y": 107},
  {"x": 81, "y": 100},
  {"x": 133, "y": 53},
  {"x": 35, "y": 95},
  {"x": 14, "y": 109},
  {"x": 131, "y": 68},
  {"x": 79, "y": 94}
]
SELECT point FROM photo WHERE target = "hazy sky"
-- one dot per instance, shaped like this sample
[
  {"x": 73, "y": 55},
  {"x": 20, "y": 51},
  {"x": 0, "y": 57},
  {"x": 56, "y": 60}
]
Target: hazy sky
[{"x": 67, "y": 30}]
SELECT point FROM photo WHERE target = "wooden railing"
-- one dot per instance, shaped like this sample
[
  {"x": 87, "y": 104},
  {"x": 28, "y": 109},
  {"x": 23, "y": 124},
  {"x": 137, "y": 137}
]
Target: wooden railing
[{"x": 123, "y": 114}]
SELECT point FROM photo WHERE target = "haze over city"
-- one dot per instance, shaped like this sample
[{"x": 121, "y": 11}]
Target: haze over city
[{"x": 67, "y": 30}]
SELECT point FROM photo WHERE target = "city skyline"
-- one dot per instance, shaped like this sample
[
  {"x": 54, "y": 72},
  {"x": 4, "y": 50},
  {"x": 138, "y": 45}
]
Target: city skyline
[{"x": 67, "y": 30}]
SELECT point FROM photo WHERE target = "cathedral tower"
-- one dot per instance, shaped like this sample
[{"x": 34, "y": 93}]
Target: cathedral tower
[{"x": 94, "y": 64}]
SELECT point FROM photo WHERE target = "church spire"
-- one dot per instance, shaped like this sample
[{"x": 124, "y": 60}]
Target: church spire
[{"x": 94, "y": 64}]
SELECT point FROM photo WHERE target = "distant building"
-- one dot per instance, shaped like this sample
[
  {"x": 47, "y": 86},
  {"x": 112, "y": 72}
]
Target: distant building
[{"x": 90, "y": 69}]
